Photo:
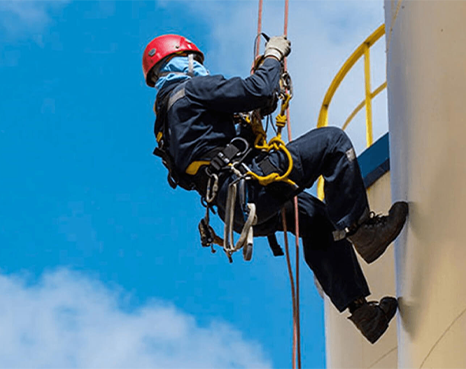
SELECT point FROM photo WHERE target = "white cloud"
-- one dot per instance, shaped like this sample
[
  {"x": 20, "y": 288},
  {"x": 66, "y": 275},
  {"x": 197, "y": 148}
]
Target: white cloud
[
  {"x": 22, "y": 17},
  {"x": 68, "y": 320}
]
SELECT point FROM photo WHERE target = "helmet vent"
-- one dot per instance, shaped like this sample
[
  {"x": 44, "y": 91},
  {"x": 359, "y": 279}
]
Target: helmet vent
[{"x": 152, "y": 52}]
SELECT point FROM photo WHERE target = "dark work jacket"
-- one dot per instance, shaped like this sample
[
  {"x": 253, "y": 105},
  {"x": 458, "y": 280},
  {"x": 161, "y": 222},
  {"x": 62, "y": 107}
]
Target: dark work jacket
[{"x": 202, "y": 120}]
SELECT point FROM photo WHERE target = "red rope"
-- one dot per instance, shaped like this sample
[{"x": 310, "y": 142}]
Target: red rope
[
  {"x": 297, "y": 312},
  {"x": 296, "y": 298},
  {"x": 293, "y": 293},
  {"x": 259, "y": 28},
  {"x": 286, "y": 18}
]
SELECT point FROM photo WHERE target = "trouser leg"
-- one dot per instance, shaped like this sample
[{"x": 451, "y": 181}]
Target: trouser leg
[
  {"x": 328, "y": 152},
  {"x": 324, "y": 151},
  {"x": 334, "y": 263}
]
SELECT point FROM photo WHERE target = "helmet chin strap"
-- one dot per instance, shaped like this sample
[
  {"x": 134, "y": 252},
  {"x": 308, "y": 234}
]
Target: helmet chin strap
[{"x": 191, "y": 65}]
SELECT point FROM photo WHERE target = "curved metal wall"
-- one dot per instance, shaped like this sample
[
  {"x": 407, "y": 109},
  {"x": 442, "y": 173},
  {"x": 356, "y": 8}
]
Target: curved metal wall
[{"x": 426, "y": 43}]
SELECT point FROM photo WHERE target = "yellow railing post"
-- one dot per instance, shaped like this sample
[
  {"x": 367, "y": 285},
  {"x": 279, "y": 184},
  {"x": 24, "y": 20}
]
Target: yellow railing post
[
  {"x": 367, "y": 80},
  {"x": 324, "y": 122}
]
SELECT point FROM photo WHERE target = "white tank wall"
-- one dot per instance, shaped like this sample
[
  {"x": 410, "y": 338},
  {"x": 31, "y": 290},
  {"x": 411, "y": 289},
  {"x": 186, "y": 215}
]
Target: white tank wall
[
  {"x": 346, "y": 347},
  {"x": 427, "y": 122}
]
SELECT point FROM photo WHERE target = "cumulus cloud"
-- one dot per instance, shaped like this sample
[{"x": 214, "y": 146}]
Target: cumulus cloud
[{"x": 68, "y": 320}]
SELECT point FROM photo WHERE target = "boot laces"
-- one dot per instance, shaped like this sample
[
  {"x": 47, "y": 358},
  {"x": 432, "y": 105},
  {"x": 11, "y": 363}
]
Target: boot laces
[{"x": 375, "y": 219}]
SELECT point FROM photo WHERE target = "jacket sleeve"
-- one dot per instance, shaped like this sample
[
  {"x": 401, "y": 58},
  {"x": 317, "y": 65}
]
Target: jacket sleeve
[{"x": 236, "y": 94}]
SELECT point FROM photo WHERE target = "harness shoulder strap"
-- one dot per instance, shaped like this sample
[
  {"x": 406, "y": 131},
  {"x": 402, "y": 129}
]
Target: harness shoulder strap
[
  {"x": 274, "y": 246},
  {"x": 175, "y": 96},
  {"x": 161, "y": 133},
  {"x": 164, "y": 103}
]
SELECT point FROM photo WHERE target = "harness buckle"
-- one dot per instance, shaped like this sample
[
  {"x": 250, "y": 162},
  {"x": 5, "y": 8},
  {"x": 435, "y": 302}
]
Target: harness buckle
[{"x": 235, "y": 151}]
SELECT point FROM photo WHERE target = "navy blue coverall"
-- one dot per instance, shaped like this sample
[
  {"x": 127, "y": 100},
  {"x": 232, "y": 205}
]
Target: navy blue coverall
[{"x": 202, "y": 120}]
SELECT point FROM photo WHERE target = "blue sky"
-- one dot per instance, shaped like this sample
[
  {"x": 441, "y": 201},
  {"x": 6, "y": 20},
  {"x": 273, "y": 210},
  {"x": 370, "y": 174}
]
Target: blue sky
[{"x": 101, "y": 264}]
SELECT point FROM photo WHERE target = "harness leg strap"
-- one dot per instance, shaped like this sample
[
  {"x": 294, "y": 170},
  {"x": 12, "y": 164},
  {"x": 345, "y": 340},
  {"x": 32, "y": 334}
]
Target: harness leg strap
[{"x": 274, "y": 246}]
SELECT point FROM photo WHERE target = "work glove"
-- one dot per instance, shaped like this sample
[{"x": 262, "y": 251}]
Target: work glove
[{"x": 278, "y": 47}]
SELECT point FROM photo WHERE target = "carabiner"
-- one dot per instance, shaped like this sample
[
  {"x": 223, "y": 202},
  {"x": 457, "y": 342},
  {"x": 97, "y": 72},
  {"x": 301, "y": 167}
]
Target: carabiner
[{"x": 212, "y": 189}]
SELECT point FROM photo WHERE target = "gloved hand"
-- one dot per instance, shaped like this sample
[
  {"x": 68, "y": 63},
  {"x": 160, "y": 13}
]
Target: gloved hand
[{"x": 278, "y": 47}]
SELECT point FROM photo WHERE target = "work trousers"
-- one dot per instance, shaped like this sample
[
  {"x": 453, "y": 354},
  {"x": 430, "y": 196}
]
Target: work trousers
[{"x": 327, "y": 152}]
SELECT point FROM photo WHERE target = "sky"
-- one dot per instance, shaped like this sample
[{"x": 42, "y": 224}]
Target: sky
[{"x": 100, "y": 260}]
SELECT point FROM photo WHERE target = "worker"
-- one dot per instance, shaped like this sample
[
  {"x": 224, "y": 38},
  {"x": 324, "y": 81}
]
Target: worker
[{"x": 196, "y": 122}]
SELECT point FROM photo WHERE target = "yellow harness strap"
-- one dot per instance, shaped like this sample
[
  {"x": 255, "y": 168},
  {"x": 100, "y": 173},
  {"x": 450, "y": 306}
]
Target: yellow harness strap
[{"x": 193, "y": 168}]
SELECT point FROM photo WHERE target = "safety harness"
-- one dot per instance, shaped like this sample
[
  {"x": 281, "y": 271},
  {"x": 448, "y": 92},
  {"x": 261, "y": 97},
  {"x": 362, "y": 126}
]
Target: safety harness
[{"x": 228, "y": 160}]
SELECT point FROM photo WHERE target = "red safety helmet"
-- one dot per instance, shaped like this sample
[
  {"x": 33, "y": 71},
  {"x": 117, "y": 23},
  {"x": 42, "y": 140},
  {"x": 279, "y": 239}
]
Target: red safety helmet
[{"x": 163, "y": 46}]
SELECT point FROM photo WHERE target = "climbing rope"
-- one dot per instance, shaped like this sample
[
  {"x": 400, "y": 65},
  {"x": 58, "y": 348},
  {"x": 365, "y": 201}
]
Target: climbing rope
[
  {"x": 284, "y": 119},
  {"x": 259, "y": 27},
  {"x": 296, "y": 310}
]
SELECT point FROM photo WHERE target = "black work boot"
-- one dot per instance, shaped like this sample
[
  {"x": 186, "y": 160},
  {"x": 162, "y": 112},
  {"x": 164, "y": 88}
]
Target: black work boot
[
  {"x": 373, "y": 236},
  {"x": 372, "y": 318}
]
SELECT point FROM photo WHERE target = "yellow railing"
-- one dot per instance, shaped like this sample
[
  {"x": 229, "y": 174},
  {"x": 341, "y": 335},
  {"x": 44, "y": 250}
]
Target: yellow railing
[{"x": 362, "y": 50}]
